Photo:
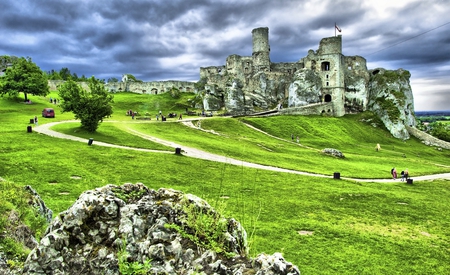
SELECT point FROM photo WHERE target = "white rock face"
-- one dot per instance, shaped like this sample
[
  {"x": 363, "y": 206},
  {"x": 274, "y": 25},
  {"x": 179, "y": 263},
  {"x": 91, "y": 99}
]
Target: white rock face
[
  {"x": 390, "y": 97},
  {"x": 107, "y": 221}
]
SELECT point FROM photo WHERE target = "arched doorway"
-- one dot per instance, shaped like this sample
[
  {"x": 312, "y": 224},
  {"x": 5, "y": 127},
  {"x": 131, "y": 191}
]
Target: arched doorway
[{"x": 327, "y": 98}]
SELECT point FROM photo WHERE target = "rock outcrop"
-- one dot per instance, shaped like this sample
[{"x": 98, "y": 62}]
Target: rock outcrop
[
  {"x": 333, "y": 152},
  {"x": 117, "y": 228},
  {"x": 391, "y": 98},
  {"x": 428, "y": 139}
]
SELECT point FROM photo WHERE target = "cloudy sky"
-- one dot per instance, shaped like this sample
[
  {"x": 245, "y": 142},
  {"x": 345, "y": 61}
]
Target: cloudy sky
[{"x": 171, "y": 39}]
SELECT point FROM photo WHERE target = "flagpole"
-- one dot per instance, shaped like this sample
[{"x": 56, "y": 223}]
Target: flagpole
[{"x": 334, "y": 28}]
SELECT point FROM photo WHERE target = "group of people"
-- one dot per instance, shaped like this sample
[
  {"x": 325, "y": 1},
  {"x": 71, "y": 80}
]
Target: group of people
[
  {"x": 158, "y": 115},
  {"x": 131, "y": 113},
  {"x": 404, "y": 174}
]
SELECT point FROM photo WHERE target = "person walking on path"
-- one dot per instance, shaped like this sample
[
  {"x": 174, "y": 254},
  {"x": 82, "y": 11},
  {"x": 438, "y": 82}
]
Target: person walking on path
[
  {"x": 394, "y": 173},
  {"x": 406, "y": 174},
  {"x": 35, "y": 121}
]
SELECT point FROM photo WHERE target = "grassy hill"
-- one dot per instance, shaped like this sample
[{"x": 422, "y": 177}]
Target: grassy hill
[{"x": 324, "y": 226}]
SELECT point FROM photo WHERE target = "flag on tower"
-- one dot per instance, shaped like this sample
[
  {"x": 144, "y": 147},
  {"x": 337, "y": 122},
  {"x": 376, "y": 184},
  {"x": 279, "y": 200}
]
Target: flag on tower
[{"x": 337, "y": 28}]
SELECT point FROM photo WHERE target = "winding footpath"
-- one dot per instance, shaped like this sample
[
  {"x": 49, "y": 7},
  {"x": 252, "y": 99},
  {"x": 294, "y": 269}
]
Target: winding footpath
[{"x": 199, "y": 154}]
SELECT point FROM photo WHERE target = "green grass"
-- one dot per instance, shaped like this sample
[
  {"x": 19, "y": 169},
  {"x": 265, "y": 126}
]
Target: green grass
[
  {"x": 347, "y": 227},
  {"x": 110, "y": 133},
  {"x": 355, "y": 139}
]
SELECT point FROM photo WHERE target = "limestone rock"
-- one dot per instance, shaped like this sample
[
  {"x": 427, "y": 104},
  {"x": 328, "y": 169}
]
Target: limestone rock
[
  {"x": 39, "y": 204},
  {"x": 305, "y": 89},
  {"x": 333, "y": 152},
  {"x": 111, "y": 227},
  {"x": 390, "y": 97}
]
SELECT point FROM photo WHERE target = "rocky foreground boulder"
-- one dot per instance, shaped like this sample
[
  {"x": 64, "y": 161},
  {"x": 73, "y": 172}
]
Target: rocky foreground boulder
[{"x": 131, "y": 229}]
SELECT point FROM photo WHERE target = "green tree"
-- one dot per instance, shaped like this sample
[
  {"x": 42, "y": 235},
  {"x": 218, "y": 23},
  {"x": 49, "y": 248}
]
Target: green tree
[
  {"x": 53, "y": 75},
  {"x": 132, "y": 78},
  {"x": 91, "y": 107},
  {"x": 65, "y": 74},
  {"x": 113, "y": 80},
  {"x": 75, "y": 77},
  {"x": 25, "y": 77},
  {"x": 440, "y": 130}
]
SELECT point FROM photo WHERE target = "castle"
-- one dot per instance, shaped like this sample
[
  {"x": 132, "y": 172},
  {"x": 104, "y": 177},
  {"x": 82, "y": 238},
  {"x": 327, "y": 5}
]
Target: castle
[{"x": 323, "y": 81}]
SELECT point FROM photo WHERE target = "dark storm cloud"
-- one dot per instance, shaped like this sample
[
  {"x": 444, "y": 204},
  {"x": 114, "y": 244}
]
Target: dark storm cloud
[{"x": 161, "y": 40}]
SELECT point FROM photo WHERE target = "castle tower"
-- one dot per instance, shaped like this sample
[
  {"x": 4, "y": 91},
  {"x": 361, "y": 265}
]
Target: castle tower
[
  {"x": 332, "y": 72},
  {"x": 261, "y": 49}
]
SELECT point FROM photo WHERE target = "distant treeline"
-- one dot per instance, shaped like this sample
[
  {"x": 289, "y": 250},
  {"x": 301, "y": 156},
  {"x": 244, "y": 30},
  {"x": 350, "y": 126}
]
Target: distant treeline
[
  {"x": 433, "y": 116},
  {"x": 433, "y": 113}
]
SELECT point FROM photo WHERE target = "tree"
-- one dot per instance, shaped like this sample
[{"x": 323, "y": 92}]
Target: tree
[
  {"x": 25, "y": 77},
  {"x": 113, "y": 80},
  {"x": 65, "y": 74},
  {"x": 53, "y": 75},
  {"x": 440, "y": 130},
  {"x": 132, "y": 78},
  {"x": 91, "y": 107}
]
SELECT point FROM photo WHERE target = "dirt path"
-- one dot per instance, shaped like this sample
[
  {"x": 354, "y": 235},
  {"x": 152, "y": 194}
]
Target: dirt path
[{"x": 199, "y": 154}]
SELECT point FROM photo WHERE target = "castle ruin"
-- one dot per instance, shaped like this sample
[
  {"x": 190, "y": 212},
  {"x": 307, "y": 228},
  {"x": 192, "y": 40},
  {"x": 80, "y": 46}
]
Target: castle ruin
[{"x": 325, "y": 81}]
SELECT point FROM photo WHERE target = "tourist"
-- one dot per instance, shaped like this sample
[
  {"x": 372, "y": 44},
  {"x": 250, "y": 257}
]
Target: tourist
[
  {"x": 394, "y": 173},
  {"x": 35, "y": 120}
]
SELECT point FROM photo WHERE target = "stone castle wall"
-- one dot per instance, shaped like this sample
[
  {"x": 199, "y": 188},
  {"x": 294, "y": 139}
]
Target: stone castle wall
[
  {"x": 153, "y": 87},
  {"x": 313, "y": 109},
  {"x": 427, "y": 138}
]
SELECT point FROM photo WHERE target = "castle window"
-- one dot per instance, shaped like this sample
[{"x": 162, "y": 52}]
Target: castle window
[
  {"x": 328, "y": 83},
  {"x": 246, "y": 70},
  {"x": 325, "y": 66},
  {"x": 327, "y": 76},
  {"x": 327, "y": 98}
]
